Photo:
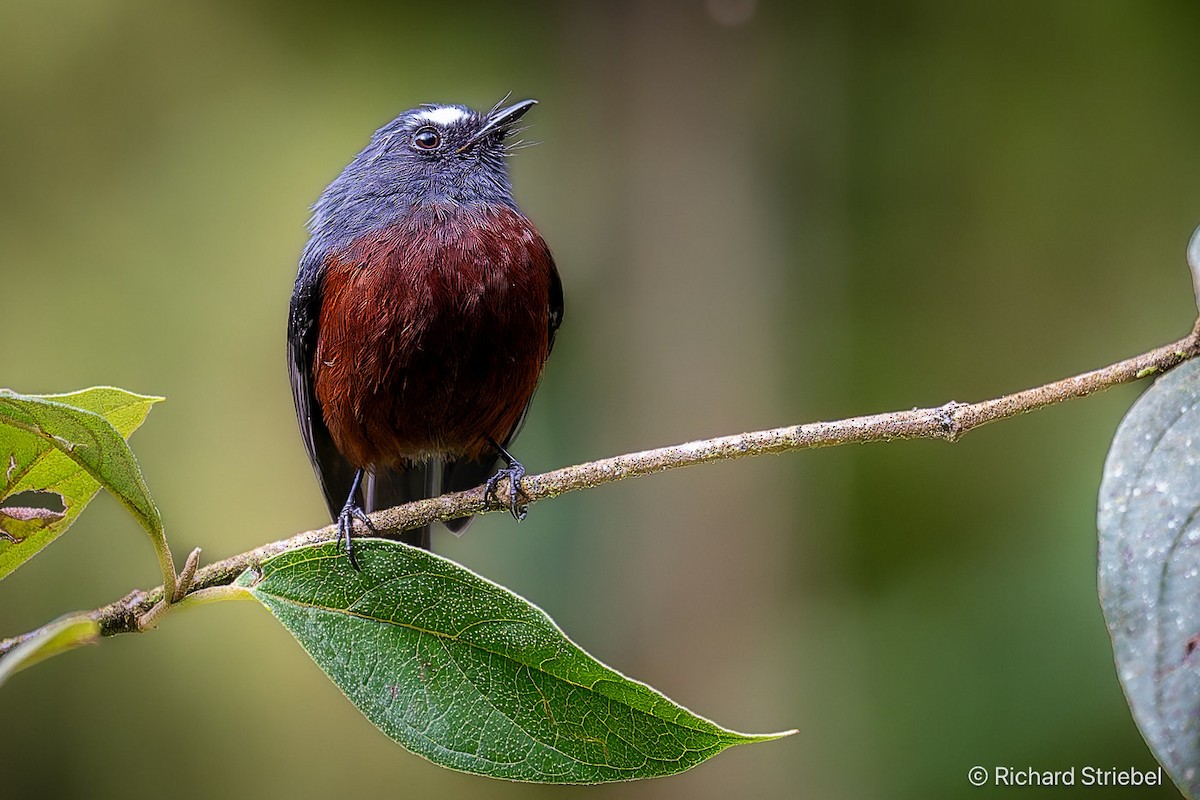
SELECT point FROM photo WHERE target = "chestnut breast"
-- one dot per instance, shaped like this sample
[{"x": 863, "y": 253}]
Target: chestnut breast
[{"x": 432, "y": 335}]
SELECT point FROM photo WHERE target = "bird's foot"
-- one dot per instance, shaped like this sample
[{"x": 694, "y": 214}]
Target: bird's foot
[
  {"x": 515, "y": 471},
  {"x": 345, "y": 526}
]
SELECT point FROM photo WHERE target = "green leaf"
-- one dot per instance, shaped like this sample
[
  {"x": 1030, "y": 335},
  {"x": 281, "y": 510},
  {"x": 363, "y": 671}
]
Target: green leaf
[
  {"x": 67, "y": 445},
  {"x": 55, "y": 638},
  {"x": 471, "y": 676},
  {"x": 1149, "y": 573}
]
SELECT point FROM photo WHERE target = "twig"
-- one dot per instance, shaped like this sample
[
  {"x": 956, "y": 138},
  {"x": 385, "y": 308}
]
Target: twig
[{"x": 948, "y": 422}]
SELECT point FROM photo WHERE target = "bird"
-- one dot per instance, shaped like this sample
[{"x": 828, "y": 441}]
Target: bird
[{"x": 424, "y": 309}]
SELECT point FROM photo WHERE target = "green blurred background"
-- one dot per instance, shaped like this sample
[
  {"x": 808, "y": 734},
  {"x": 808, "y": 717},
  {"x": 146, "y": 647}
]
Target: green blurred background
[{"x": 764, "y": 213}]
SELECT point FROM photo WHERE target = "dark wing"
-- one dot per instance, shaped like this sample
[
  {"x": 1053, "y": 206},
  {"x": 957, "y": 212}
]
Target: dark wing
[
  {"x": 556, "y": 305},
  {"x": 459, "y": 476},
  {"x": 334, "y": 472}
]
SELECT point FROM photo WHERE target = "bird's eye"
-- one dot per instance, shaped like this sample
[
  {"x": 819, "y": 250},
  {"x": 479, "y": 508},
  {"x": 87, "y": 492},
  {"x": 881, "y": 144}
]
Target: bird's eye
[{"x": 427, "y": 139}]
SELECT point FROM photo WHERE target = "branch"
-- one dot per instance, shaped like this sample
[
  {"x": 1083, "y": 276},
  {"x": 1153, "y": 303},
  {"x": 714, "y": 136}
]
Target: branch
[{"x": 948, "y": 422}]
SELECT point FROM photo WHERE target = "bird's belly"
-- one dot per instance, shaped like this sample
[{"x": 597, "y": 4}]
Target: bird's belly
[
  {"x": 417, "y": 366},
  {"x": 463, "y": 383}
]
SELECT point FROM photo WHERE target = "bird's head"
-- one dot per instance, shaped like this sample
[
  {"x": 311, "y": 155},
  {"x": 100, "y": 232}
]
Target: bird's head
[{"x": 430, "y": 155}]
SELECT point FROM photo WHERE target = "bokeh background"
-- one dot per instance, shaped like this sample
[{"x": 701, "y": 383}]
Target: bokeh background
[{"x": 764, "y": 213}]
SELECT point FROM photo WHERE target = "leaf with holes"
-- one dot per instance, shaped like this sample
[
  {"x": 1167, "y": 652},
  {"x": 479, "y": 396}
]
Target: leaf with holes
[
  {"x": 1149, "y": 572},
  {"x": 56, "y": 451},
  {"x": 471, "y": 676}
]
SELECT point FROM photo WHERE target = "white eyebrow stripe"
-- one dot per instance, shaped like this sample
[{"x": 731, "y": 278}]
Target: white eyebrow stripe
[{"x": 442, "y": 115}]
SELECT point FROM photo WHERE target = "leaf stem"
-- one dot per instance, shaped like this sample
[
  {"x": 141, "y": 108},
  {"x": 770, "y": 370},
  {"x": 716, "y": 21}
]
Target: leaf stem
[
  {"x": 167, "y": 564},
  {"x": 948, "y": 422},
  {"x": 199, "y": 597}
]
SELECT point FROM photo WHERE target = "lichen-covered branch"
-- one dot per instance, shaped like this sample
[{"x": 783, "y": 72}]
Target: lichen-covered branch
[{"x": 948, "y": 422}]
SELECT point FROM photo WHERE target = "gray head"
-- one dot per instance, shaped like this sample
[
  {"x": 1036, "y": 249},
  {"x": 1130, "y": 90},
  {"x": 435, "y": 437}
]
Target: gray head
[{"x": 433, "y": 154}]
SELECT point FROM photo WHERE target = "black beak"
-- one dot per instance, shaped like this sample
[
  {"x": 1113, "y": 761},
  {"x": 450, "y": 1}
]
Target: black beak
[{"x": 500, "y": 121}]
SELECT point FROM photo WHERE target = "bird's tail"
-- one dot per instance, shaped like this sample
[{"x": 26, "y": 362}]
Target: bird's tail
[{"x": 384, "y": 488}]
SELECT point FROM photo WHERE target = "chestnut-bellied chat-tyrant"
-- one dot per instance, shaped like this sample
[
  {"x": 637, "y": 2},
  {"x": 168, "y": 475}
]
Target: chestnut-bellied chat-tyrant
[{"x": 424, "y": 310}]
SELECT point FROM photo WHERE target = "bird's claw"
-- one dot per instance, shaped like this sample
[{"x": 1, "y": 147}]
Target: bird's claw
[
  {"x": 515, "y": 471},
  {"x": 345, "y": 527}
]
